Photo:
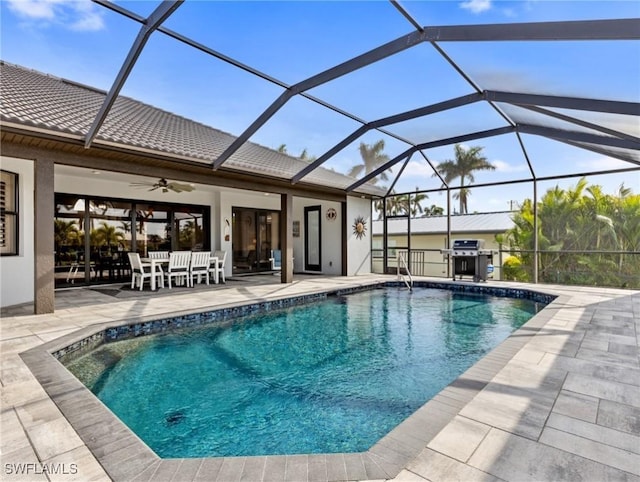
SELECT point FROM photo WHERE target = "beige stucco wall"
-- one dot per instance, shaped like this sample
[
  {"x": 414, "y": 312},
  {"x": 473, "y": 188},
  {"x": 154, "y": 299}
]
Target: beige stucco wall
[{"x": 358, "y": 250}]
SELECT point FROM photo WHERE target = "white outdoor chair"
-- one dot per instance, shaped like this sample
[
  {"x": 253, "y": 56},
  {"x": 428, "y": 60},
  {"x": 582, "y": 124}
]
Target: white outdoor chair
[
  {"x": 158, "y": 254},
  {"x": 218, "y": 270},
  {"x": 141, "y": 271},
  {"x": 200, "y": 261},
  {"x": 179, "y": 263}
]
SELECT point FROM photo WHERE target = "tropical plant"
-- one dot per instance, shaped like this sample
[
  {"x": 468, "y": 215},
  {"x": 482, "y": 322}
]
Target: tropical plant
[
  {"x": 107, "y": 235},
  {"x": 466, "y": 162},
  {"x": 304, "y": 155},
  {"x": 584, "y": 236},
  {"x": 433, "y": 210},
  {"x": 415, "y": 203},
  {"x": 397, "y": 205},
  {"x": 372, "y": 158},
  {"x": 66, "y": 232},
  {"x": 190, "y": 234},
  {"x": 512, "y": 269}
]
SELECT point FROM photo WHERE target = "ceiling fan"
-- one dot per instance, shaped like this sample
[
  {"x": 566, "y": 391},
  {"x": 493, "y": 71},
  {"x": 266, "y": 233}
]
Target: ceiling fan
[{"x": 165, "y": 185}]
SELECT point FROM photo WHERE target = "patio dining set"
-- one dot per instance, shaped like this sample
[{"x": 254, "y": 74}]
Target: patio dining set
[{"x": 183, "y": 267}]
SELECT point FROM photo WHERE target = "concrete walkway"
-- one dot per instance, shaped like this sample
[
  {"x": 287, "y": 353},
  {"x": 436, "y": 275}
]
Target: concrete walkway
[{"x": 558, "y": 400}]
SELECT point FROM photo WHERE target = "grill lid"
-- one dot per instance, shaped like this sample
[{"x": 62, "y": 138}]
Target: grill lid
[{"x": 474, "y": 244}]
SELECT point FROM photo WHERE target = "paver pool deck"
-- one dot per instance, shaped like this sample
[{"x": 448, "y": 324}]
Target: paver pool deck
[{"x": 558, "y": 400}]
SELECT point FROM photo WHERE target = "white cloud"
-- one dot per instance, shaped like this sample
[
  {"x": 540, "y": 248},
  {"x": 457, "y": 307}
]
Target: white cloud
[
  {"x": 417, "y": 169},
  {"x": 81, "y": 15},
  {"x": 502, "y": 166},
  {"x": 476, "y": 6},
  {"x": 603, "y": 163}
]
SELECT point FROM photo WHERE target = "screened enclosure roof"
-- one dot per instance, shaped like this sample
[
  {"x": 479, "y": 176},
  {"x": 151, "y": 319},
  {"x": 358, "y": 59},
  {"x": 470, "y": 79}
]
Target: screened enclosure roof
[{"x": 295, "y": 90}]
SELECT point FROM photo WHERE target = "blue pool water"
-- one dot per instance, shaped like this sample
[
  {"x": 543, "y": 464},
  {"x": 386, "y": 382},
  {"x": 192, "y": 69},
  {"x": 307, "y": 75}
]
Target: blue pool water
[{"x": 331, "y": 376}]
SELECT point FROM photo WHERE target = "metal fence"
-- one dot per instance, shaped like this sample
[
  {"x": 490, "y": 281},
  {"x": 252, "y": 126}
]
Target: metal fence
[{"x": 615, "y": 269}]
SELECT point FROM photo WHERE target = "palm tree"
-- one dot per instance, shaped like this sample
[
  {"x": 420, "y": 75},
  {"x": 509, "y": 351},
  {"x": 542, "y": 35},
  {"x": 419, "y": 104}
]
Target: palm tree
[
  {"x": 398, "y": 205},
  {"x": 415, "y": 203},
  {"x": 466, "y": 162},
  {"x": 433, "y": 210},
  {"x": 108, "y": 235},
  {"x": 372, "y": 158},
  {"x": 66, "y": 233},
  {"x": 304, "y": 155}
]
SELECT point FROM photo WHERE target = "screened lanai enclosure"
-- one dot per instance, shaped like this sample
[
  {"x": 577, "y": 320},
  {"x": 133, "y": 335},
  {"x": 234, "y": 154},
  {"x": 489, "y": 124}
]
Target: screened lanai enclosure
[{"x": 439, "y": 112}]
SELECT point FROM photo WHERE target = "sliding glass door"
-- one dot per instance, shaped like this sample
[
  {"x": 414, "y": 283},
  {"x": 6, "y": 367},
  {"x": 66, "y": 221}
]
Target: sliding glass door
[
  {"x": 256, "y": 233},
  {"x": 93, "y": 235}
]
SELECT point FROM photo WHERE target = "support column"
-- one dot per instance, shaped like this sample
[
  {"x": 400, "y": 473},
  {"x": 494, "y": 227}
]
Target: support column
[
  {"x": 286, "y": 237},
  {"x": 44, "y": 201},
  {"x": 535, "y": 232},
  {"x": 343, "y": 237}
]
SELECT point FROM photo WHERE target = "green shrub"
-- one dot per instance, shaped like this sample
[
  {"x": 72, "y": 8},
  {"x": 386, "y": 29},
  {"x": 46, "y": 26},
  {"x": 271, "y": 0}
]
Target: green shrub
[{"x": 512, "y": 269}]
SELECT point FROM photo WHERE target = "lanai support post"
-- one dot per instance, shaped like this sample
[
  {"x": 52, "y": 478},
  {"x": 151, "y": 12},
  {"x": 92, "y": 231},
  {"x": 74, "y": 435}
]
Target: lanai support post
[
  {"x": 535, "y": 231},
  {"x": 44, "y": 200},
  {"x": 448, "y": 246},
  {"x": 286, "y": 237},
  {"x": 343, "y": 237}
]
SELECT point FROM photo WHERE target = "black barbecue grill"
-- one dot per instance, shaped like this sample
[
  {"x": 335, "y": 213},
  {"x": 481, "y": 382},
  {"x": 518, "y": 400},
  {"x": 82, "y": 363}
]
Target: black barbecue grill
[{"x": 470, "y": 258}]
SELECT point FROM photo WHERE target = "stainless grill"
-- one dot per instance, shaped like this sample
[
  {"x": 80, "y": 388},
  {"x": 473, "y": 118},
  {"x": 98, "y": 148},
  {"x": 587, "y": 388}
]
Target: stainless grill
[{"x": 470, "y": 259}]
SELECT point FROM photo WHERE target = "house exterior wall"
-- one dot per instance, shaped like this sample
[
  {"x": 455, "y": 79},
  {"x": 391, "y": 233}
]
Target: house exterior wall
[
  {"x": 331, "y": 232},
  {"x": 358, "y": 250},
  {"x": 17, "y": 272}
]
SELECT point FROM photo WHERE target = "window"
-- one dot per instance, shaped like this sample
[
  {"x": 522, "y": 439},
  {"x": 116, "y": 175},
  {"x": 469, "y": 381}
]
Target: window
[
  {"x": 107, "y": 228},
  {"x": 8, "y": 214}
]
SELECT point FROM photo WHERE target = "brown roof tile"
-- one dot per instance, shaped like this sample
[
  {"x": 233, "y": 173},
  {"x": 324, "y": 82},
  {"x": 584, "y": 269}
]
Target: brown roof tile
[{"x": 44, "y": 101}]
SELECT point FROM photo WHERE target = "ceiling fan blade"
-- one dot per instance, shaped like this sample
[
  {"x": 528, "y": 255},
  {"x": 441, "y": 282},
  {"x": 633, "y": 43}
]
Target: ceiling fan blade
[{"x": 180, "y": 187}]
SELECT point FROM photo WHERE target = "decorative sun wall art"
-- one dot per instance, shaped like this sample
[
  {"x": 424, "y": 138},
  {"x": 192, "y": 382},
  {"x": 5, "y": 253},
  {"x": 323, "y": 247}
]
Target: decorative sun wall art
[{"x": 360, "y": 227}]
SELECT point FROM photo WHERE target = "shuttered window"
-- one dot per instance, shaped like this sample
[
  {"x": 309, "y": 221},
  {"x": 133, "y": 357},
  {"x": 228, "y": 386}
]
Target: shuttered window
[{"x": 8, "y": 214}]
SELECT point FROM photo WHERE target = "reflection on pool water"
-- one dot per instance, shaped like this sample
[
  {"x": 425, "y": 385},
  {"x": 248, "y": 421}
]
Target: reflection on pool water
[{"x": 326, "y": 377}]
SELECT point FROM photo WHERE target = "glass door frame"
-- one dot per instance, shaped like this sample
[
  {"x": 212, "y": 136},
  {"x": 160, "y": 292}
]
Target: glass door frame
[
  {"x": 86, "y": 266},
  {"x": 310, "y": 246},
  {"x": 254, "y": 237}
]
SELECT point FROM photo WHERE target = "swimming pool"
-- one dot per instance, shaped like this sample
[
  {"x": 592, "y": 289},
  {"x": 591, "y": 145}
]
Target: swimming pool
[{"x": 330, "y": 376}]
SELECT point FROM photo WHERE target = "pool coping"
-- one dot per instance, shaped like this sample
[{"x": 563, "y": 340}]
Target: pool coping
[{"x": 124, "y": 456}]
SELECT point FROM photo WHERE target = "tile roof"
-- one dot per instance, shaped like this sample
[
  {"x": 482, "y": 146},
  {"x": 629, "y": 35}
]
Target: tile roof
[
  {"x": 39, "y": 100},
  {"x": 465, "y": 223}
]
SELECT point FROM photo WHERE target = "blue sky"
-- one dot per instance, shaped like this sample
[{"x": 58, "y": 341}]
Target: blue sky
[{"x": 291, "y": 41}]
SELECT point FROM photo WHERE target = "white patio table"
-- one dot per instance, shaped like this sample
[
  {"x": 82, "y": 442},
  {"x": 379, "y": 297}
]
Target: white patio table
[{"x": 157, "y": 263}]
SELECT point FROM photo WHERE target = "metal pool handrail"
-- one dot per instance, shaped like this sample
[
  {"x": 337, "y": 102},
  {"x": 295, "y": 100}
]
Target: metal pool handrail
[{"x": 401, "y": 274}]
